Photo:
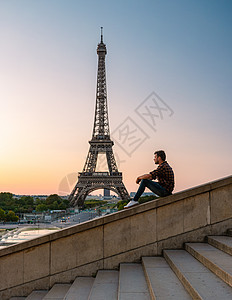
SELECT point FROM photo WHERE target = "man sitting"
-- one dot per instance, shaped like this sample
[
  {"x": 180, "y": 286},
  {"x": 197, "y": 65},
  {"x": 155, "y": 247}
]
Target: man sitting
[{"x": 163, "y": 173}]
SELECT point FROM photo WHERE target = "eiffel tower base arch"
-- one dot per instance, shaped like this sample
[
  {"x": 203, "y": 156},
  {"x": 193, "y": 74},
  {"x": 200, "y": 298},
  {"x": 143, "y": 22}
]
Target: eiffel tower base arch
[{"x": 88, "y": 183}]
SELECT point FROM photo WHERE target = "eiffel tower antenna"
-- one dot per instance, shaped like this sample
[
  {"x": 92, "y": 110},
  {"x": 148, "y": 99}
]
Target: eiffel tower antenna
[
  {"x": 90, "y": 180},
  {"x": 101, "y": 34}
]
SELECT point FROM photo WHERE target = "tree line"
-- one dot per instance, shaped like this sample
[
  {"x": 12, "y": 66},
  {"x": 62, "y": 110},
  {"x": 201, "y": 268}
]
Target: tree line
[{"x": 10, "y": 205}]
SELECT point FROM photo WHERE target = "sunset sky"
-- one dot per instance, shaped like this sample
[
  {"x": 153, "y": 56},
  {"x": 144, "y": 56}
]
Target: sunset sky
[{"x": 178, "y": 52}]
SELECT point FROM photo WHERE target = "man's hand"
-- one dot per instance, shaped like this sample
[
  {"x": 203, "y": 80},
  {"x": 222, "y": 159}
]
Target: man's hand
[
  {"x": 138, "y": 180},
  {"x": 145, "y": 176}
]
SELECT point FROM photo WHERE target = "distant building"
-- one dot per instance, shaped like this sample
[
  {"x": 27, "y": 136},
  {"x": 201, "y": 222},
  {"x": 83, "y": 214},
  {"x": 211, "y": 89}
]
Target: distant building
[{"x": 106, "y": 194}]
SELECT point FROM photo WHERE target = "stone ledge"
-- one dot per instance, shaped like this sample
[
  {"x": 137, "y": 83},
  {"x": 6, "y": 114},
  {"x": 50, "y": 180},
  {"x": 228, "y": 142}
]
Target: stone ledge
[
  {"x": 134, "y": 255},
  {"x": 118, "y": 215}
]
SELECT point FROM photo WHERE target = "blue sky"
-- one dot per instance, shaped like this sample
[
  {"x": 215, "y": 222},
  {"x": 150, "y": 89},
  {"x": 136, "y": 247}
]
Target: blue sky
[{"x": 179, "y": 49}]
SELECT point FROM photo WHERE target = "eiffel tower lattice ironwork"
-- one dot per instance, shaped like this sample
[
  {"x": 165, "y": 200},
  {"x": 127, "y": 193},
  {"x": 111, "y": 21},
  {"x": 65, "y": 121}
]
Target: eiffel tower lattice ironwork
[{"x": 90, "y": 180}]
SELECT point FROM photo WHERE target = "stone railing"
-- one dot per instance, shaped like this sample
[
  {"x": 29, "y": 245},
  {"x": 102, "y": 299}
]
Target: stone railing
[{"x": 125, "y": 236}]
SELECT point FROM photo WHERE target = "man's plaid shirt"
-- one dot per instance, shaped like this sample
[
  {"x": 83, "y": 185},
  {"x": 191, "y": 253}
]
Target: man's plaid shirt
[{"x": 165, "y": 176}]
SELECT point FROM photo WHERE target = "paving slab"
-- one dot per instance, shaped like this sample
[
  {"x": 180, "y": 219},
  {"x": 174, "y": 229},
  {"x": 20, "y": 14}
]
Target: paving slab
[
  {"x": 37, "y": 295},
  {"x": 80, "y": 289},
  {"x": 162, "y": 281},
  {"x": 216, "y": 260},
  {"x": 57, "y": 292},
  {"x": 132, "y": 283},
  {"x": 222, "y": 242},
  {"x": 105, "y": 286},
  {"x": 198, "y": 280}
]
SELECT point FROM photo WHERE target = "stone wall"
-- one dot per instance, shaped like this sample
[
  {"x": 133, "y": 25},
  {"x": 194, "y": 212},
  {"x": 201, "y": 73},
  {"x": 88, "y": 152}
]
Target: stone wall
[{"x": 124, "y": 236}]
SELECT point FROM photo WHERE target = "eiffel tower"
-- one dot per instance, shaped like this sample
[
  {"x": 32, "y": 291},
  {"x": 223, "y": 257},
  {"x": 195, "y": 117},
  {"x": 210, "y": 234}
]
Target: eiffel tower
[{"x": 90, "y": 180}]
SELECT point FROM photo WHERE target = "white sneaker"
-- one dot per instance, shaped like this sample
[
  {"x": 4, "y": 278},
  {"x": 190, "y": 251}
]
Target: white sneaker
[{"x": 131, "y": 203}]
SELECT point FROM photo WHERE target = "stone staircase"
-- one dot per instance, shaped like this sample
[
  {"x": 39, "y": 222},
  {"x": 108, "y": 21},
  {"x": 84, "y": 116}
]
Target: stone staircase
[{"x": 201, "y": 271}]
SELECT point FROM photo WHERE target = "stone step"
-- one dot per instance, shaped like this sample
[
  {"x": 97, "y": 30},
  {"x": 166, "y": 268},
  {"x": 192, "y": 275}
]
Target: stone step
[
  {"x": 57, "y": 292},
  {"x": 80, "y": 289},
  {"x": 198, "y": 280},
  {"x": 214, "y": 259},
  {"x": 37, "y": 295},
  {"x": 223, "y": 243},
  {"x": 105, "y": 286},
  {"x": 132, "y": 283},
  {"x": 162, "y": 282}
]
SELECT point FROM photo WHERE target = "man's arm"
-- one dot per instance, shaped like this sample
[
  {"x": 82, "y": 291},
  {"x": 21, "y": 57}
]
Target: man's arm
[{"x": 145, "y": 176}]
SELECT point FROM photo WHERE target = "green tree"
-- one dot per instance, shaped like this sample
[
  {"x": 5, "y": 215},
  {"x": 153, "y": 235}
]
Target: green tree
[
  {"x": 7, "y": 201},
  {"x": 62, "y": 206},
  {"x": 29, "y": 200},
  {"x": 41, "y": 207},
  {"x": 5, "y": 196},
  {"x": 21, "y": 202},
  {"x": 2, "y": 215},
  {"x": 11, "y": 217},
  {"x": 121, "y": 204},
  {"x": 52, "y": 198},
  {"x": 39, "y": 201},
  {"x": 54, "y": 205},
  {"x": 66, "y": 203},
  {"x": 147, "y": 198}
]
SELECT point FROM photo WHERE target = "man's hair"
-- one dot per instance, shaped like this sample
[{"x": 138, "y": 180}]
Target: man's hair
[{"x": 161, "y": 154}]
